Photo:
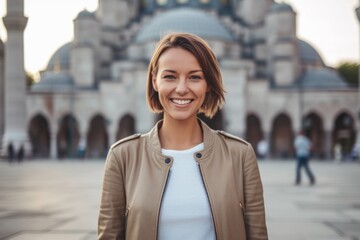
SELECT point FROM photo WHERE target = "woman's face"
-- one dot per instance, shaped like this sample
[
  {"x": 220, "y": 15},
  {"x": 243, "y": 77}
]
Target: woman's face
[{"x": 180, "y": 84}]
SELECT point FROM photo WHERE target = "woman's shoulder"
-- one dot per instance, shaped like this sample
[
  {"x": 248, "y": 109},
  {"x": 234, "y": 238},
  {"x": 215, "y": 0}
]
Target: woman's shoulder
[
  {"x": 132, "y": 139},
  {"x": 232, "y": 138},
  {"x": 237, "y": 146}
]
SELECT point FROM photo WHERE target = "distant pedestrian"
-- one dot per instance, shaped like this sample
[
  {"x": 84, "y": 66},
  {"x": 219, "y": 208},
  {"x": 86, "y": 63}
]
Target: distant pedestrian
[
  {"x": 354, "y": 153},
  {"x": 20, "y": 153},
  {"x": 10, "y": 152},
  {"x": 303, "y": 147},
  {"x": 81, "y": 148},
  {"x": 262, "y": 149}
]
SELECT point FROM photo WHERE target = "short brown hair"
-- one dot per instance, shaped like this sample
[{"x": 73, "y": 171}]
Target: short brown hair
[{"x": 214, "y": 98}]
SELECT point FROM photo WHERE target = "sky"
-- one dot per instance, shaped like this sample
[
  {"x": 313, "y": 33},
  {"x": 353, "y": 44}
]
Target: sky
[{"x": 330, "y": 26}]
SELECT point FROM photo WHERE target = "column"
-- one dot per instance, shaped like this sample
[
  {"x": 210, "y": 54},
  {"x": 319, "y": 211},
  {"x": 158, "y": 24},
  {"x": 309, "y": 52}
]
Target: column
[
  {"x": 53, "y": 140},
  {"x": 357, "y": 11},
  {"x": 328, "y": 144},
  {"x": 15, "y": 85},
  {"x": 2, "y": 85},
  {"x": 267, "y": 138},
  {"x": 82, "y": 149}
]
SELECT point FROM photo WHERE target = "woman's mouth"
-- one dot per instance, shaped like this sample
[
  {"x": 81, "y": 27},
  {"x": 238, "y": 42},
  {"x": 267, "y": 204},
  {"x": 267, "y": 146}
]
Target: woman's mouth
[{"x": 180, "y": 101}]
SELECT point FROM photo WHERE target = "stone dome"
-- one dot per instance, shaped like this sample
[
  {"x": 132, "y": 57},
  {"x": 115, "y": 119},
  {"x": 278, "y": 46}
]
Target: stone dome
[
  {"x": 54, "y": 82},
  {"x": 60, "y": 60},
  {"x": 323, "y": 78},
  {"x": 308, "y": 54},
  {"x": 86, "y": 14},
  {"x": 279, "y": 7},
  {"x": 183, "y": 20}
]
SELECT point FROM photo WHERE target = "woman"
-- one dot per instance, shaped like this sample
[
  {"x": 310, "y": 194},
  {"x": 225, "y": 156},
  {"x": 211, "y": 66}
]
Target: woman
[{"x": 182, "y": 180}]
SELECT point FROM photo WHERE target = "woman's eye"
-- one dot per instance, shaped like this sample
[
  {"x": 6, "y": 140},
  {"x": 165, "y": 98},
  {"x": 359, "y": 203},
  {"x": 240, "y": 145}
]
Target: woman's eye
[
  {"x": 169, "y": 77},
  {"x": 195, "y": 77}
]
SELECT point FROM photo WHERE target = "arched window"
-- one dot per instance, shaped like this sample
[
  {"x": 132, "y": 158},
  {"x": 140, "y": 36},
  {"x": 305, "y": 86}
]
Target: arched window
[
  {"x": 126, "y": 126},
  {"x": 313, "y": 127},
  {"x": 97, "y": 138},
  {"x": 344, "y": 133},
  {"x": 254, "y": 131},
  {"x": 282, "y": 137},
  {"x": 39, "y": 136},
  {"x": 68, "y": 137}
]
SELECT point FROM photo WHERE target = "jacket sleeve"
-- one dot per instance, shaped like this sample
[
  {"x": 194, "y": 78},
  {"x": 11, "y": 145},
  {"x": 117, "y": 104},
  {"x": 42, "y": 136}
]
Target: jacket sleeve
[
  {"x": 255, "y": 221},
  {"x": 111, "y": 222}
]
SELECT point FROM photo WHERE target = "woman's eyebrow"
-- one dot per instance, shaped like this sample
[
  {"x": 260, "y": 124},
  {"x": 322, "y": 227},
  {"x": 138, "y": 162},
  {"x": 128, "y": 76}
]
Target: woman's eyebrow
[
  {"x": 194, "y": 71},
  {"x": 173, "y": 71},
  {"x": 168, "y": 70}
]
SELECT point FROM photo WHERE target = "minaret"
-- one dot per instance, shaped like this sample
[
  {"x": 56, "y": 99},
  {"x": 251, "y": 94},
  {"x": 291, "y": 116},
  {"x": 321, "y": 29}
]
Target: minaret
[
  {"x": 15, "y": 86},
  {"x": 114, "y": 14},
  {"x": 2, "y": 85},
  {"x": 282, "y": 45},
  {"x": 253, "y": 11},
  {"x": 357, "y": 144}
]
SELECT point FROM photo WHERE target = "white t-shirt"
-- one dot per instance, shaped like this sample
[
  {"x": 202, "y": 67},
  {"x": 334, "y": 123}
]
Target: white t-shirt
[
  {"x": 185, "y": 211},
  {"x": 302, "y": 146}
]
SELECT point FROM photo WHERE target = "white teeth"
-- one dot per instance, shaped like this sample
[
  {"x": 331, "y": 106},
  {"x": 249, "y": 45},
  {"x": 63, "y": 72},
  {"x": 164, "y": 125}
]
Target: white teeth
[{"x": 181, "y": 101}]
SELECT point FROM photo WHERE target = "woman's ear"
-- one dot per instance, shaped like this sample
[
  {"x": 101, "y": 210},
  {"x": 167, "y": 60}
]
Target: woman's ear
[
  {"x": 154, "y": 83},
  {"x": 208, "y": 88}
]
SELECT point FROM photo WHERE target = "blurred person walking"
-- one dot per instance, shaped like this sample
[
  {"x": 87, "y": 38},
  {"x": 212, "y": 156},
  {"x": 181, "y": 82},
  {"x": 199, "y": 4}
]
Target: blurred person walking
[
  {"x": 262, "y": 149},
  {"x": 302, "y": 146},
  {"x": 20, "y": 154},
  {"x": 10, "y": 152}
]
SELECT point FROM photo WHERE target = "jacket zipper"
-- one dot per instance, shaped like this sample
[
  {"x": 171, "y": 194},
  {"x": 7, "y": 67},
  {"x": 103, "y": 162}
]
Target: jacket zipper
[
  {"x": 207, "y": 194},
  {"x": 126, "y": 217},
  {"x": 162, "y": 197}
]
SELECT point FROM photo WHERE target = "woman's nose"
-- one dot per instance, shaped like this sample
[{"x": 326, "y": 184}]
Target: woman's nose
[{"x": 182, "y": 87}]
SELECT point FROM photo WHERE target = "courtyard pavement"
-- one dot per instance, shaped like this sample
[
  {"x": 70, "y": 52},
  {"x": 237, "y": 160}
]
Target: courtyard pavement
[{"x": 59, "y": 200}]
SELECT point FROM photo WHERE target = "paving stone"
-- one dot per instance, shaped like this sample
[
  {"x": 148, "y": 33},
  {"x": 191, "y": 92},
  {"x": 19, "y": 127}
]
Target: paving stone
[
  {"x": 349, "y": 229},
  {"x": 12, "y": 226},
  {"x": 60, "y": 200},
  {"x": 354, "y": 214},
  {"x": 300, "y": 230},
  {"x": 50, "y": 236}
]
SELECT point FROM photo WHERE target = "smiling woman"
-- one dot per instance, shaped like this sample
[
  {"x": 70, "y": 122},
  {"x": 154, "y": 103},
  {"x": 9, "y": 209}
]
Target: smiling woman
[{"x": 165, "y": 184}]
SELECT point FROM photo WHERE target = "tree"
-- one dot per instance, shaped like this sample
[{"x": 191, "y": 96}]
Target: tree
[
  {"x": 30, "y": 79},
  {"x": 350, "y": 72}
]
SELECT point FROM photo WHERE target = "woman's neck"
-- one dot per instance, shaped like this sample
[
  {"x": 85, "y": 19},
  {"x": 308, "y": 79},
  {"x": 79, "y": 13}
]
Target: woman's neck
[{"x": 180, "y": 135}]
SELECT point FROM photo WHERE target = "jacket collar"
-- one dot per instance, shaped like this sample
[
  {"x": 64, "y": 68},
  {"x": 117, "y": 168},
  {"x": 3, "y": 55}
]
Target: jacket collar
[{"x": 208, "y": 138}]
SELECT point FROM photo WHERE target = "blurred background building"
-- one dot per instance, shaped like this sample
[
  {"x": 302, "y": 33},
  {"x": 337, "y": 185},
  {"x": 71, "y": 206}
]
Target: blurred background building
[{"x": 92, "y": 92}]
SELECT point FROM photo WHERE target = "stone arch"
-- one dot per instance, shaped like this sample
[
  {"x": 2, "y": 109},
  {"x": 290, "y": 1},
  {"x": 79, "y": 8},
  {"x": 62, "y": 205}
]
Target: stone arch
[
  {"x": 68, "y": 137},
  {"x": 344, "y": 132},
  {"x": 253, "y": 132},
  {"x": 282, "y": 136},
  {"x": 314, "y": 129},
  {"x": 39, "y": 134},
  {"x": 126, "y": 126},
  {"x": 97, "y": 137}
]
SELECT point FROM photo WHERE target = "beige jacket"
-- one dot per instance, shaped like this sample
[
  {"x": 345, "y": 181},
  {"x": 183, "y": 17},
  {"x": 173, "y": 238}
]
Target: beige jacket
[{"x": 136, "y": 174}]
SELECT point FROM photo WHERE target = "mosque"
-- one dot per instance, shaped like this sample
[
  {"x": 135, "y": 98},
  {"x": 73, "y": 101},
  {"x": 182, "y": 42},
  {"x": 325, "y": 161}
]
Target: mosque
[{"x": 92, "y": 91}]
